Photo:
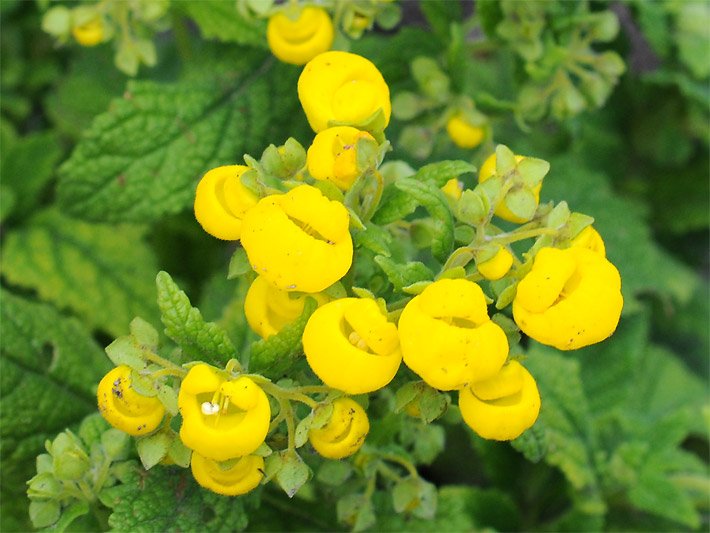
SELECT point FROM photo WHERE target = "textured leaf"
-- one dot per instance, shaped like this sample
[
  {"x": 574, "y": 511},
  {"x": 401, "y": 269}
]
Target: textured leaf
[
  {"x": 142, "y": 158},
  {"x": 459, "y": 509},
  {"x": 442, "y": 171},
  {"x": 275, "y": 355},
  {"x": 185, "y": 325},
  {"x": 221, "y": 20},
  {"x": 102, "y": 273},
  {"x": 571, "y": 441},
  {"x": 49, "y": 366},
  {"x": 28, "y": 166},
  {"x": 403, "y": 275},
  {"x": 433, "y": 200},
  {"x": 170, "y": 500}
]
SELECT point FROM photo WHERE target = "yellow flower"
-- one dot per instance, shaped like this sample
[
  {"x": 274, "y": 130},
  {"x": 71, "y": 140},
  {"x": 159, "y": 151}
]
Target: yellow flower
[
  {"x": 342, "y": 87},
  {"x": 447, "y": 337},
  {"x": 571, "y": 298},
  {"x": 487, "y": 171},
  {"x": 298, "y": 241},
  {"x": 221, "y": 202},
  {"x": 90, "y": 32},
  {"x": 124, "y": 408},
  {"x": 297, "y": 37},
  {"x": 453, "y": 189},
  {"x": 351, "y": 346},
  {"x": 269, "y": 309},
  {"x": 589, "y": 238},
  {"x": 222, "y": 418},
  {"x": 239, "y": 478},
  {"x": 463, "y": 133},
  {"x": 497, "y": 266},
  {"x": 333, "y": 155},
  {"x": 344, "y": 433},
  {"x": 501, "y": 407}
]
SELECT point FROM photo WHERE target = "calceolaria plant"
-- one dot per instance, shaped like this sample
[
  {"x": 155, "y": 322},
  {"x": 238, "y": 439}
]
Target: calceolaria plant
[
  {"x": 279, "y": 265},
  {"x": 315, "y": 227}
]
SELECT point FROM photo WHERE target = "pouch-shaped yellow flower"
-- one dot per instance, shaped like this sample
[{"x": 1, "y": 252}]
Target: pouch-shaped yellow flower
[
  {"x": 487, "y": 171},
  {"x": 221, "y": 202},
  {"x": 571, "y": 298},
  {"x": 501, "y": 407},
  {"x": 497, "y": 266},
  {"x": 241, "y": 477},
  {"x": 342, "y": 87},
  {"x": 297, "y": 35},
  {"x": 589, "y": 238},
  {"x": 333, "y": 155},
  {"x": 268, "y": 309},
  {"x": 222, "y": 418},
  {"x": 351, "y": 346},
  {"x": 464, "y": 134},
  {"x": 345, "y": 432},
  {"x": 447, "y": 337},
  {"x": 298, "y": 241},
  {"x": 89, "y": 32},
  {"x": 124, "y": 408}
]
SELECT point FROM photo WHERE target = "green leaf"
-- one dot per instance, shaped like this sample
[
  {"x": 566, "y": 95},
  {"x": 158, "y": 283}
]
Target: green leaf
[
  {"x": 435, "y": 203},
  {"x": 168, "y": 499},
  {"x": 275, "y": 355},
  {"x": 293, "y": 473},
  {"x": 49, "y": 366},
  {"x": 222, "y": 20},
  {"x": 571, "y": 441},
  {"x": 404, "y": 275},
  {"x": 142, "y": 158},
  {"x": 356, "y": 511},
  {"x": 69, "y": 514},
  {"x": 441, "y": 15},
  {"x": 100, "y": 272},
  {"x": 185, "y": 325},
  {"x": 440, "y": 172},
  {"x": 27, "y": 168},
  {"x": 374, "y": 238},
  {"x": 692, "y": 37},
  {"x": 44, "y": 513},
  {"x": 655, "y": 494}
]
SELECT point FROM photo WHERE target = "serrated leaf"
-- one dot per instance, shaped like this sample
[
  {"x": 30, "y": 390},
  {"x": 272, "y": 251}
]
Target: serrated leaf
[
  {"x": 185, "y": 325},
  {"x": 28, "y": 166},
  {"x": 103, "y": 273},
  {"x": 404, "y": 275},
  {"x": 222, "y": 20},
  {"x": 374, "y": 238},
  {"x": 394, "y": 206},
  {"x": 655, "y": 494},
  {"x": 532, "y": 443},
  {"x": 168, "y": 499},
  {"x": 440, "y": 172},
  {"x": 275, "y": 355},
  {"x": 142, "y": 158},
  {"x": 571, "y": 441},
  {"x": 48, "y": 370},
  {"x": 435, "y": 203}
]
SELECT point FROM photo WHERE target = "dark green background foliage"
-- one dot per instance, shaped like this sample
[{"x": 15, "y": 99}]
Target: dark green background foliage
[{"x": 98, "y": 174}]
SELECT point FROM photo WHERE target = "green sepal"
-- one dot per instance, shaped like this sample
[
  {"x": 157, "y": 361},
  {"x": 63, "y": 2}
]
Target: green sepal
[
  {"x": 125, "y": 351},
  {"x": 432, "y": 403},
  {"x": 406, "y": 394},
  {"x": 44, "y": 513},
  {"x": 356, "y": 511},
  {"x": 293, "y": 474},
  {"x": 153, "y": 448},
  {"x": 505, "y": 160},
  {"x": 168, "y": 396},
  {"x": 416, "y": 496},
  {"x": 179, "y": 453},
  {"x": 532, "y": 170},
  {"x": 334, "y": 473},
  {"x": 238, "y": 264},
  {"x": 521, "y": 202},
  {"x": 116, "y": 444},
  {"x": 473, "y": 207},
  {"x": 69, "y": 514}
]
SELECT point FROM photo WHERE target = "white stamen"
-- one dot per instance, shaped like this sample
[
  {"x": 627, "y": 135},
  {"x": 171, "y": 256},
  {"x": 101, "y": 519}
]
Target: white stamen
[{"x": 209, "y": 408}]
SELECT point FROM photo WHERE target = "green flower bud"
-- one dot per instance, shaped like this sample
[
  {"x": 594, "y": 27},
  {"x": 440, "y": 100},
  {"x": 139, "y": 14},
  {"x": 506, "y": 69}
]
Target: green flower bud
[{"x": 44, "y": 513}]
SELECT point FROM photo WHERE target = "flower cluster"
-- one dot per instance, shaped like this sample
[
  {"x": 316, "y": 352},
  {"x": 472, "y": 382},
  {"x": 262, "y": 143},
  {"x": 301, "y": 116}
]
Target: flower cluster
[{"x": 303, "y": 219}]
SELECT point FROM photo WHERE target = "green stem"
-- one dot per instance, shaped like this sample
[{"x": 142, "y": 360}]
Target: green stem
[
  {"x": 403, "y": 462},
  {"x": 161, "y": 361},
  {"x": 514, "y": 236}
]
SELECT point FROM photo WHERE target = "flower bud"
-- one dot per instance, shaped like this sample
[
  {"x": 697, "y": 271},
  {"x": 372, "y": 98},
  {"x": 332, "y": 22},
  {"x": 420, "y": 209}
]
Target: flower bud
[
  {"x": 487, "y": 171},
  {"x": 497, "y": 265},
  {"x": 345, "y": 432},
  {"x": 463, "y": 133},
  {"x": 297, "y": 35},
  {"x": 333, "y": 155}
]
